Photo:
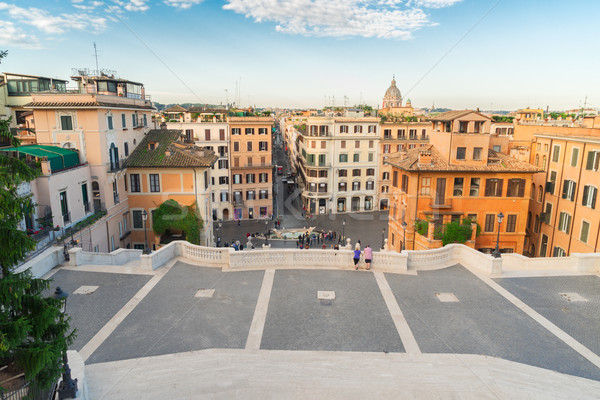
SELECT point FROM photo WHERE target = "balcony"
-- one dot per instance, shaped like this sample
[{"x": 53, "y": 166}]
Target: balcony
[{"x": 114, "y": 166}]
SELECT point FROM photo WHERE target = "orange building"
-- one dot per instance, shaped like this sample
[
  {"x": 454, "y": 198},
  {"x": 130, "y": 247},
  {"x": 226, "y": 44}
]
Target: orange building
[
  {"x": 564, "y": 217},
  {"x": 164, "y": 167},
  {"x": 459, "y": 175},
  {"x": 251, "y": 167}
]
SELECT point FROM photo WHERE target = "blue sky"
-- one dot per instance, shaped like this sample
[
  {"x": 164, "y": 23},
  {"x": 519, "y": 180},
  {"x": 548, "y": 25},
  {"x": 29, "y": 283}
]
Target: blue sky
[{"x": 308, "y": 53}]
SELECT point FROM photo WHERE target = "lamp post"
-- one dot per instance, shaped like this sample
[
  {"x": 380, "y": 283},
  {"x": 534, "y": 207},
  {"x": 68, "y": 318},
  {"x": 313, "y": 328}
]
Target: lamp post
[
  {"x": 344, "y": 229},
  {"x": 496, "y": 252},
  {"x": 404, "y": 224},
  {"x": 382, "y": 237},
  {"x": 267, "y": 232},
  {"x": 68, "y": 386},
  {"x": 219, "y": 234},
  {"x": 145, "y": 218}
]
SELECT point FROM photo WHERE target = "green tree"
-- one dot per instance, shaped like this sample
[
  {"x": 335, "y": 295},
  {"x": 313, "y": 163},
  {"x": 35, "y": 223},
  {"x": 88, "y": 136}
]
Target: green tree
[
  {"x": 33, "y": 333},
  {"x": 171, "y": 215}
]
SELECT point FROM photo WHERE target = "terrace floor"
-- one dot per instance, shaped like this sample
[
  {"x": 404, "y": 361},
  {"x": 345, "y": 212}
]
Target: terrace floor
[{"x": 187, "y": 331}]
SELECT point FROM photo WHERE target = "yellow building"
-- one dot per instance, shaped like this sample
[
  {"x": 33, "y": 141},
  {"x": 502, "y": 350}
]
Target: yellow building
[{"x": 164, "y": 167}]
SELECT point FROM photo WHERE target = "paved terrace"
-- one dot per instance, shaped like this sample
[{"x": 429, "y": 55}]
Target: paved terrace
[{"x": 434, "y": 329}]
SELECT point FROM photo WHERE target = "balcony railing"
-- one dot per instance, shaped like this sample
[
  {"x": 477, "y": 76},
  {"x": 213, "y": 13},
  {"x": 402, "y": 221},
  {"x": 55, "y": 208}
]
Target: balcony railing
[{"x": 114, "y": 166}]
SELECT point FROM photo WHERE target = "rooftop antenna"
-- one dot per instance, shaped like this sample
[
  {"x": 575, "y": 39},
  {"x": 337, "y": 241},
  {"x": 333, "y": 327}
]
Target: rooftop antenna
[{"x": 96, "y": 56}]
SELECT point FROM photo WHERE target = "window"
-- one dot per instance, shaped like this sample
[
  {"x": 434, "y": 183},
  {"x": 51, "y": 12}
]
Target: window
[
  {"x": 262, "y": 131},
  {"x": 585, "y": 230},
  {"x": 154, "y": 183},
  {"x": 564, "y": 222},
  {"x": 357, "y": 128},
  {"x": 224, "y": 196},
  {"x": 223, "y": 164},
  {"x": 342, "y": 173},
  {"x": 401, "y": 133},
  {"x": 357, "y": 144},
  {"x": 395, "y": 179},
  {"x": 536, "y": 226},
  {"x": 135, "y": 183},
  {"x": 145, "y": 118},
  {"x": 477, "y": 153},
  {"x": 322, "y": 159},
  {"x": 544, "y": 162},
  {"x": 404, "y": 183},
  {"x": 371, "y": 143},
  {"x": 493, "y": 187},
  {"x": 370, "y": 171},
  {"x": 569, "y": 188},
  {"x": 356, "y": 157},
  {"x": 386, "y": 148},
  {"x": 589, "y": 196},
  {"x": 511, "y": 223},
  {"x": 263, "y": 178},
  {"x": 249, "y": 163},
  {"x": 458, "y": 186},
  {"x": 310, "y": 159},
  {"x": 550, "y": 188},
  {"x": 545, "y": 146},
  {"x": 356, "y": 172},
  {"x": 474, "y": 190},
  {"x": 249, "y": 131},
  {"x": 461, "y": 153},
  {"x": 370, "y": 185},
  {"x": 223, "y": 180},
  {"x": 558, "y": 252},
  {"x": 555, "y": 153},
  {"x": 136, "y": 216},
  {"x": 236, "y": 131},
  {"x": 548, "y": 214},
  {"x": 109, "y": 121},
  {"x": 372, "y": 128},
  {"x": 134, "y": 120},
  {"x": 355, "y": 204},
  {"x": 250, "y": 195},
  {"x": 236, "y": 146},
  {"x": 126, "y": 145},
  {"x": 371, "y": 156},
  {"x": 322, "y": 188},
  {"x": 323, "y": 144},
  {"x": 537, "y": 160},
  {"x": 593, "y": 161},
  {"x": 123, "y": 121},
  {"x": 544, "y": 246},
  {"x": 425, "y": 186},
  {"x": 221, "y": 134},
  {"x": 343, "y": 144},
  {"x": 313, "y": 144},
  {"x": 66, "y": 122},
  {"x": 489, "y": 222},
  {"x": 497, "y": 148},
  {"x": 344, "y": 129},
  {"x": 540, "y": 194},
  {"x": 355, "y": 186},
  {"x": 249, "y": 146},
  {"x": 342, "y": 186},
  {"x": 574, "y": 156},
  {"x": 343, "y": 157},
  {"x": 250, "y": 178},
  {"x": 263, "y": 194},
  {"x": 440, "y": 191},
  {"x": 515, "y": 188}
]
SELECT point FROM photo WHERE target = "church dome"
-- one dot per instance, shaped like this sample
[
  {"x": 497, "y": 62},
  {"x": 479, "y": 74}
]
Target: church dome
[{"x": 393, "y": 97}]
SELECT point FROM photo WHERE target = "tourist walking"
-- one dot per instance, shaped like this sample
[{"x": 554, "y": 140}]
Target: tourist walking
[
  {"x": 368, "y": 253},
  {"x": 356, "y": 255}
]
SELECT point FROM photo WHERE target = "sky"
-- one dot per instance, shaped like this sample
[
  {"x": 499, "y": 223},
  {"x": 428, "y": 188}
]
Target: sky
[{"x": 487, "y": 54}]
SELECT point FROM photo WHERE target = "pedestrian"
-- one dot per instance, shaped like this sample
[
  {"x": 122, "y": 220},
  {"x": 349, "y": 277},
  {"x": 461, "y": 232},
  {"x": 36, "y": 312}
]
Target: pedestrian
[
  {"x": 297, "y": 243},
  {"x": 324, "y": 246},
  {"x": 336, "y": 246},
  {"x": 301, "y": 246},
  {"x": 356, "y": 255},
  {"x": 368, "y": 253},
  {"x": 241, "y": 247},
  {"x": 235, "y": 246},
  {"x": 238, "y": 222}
]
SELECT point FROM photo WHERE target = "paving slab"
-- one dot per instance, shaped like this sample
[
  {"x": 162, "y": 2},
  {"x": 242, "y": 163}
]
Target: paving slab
[
  {"x": 481, "y": 322},
  {"x": 356, "y": 320},
  {"x": 171, "y": 319},
  {"x": 580, "y": 319},
  {"x": 89, "y": 312}
]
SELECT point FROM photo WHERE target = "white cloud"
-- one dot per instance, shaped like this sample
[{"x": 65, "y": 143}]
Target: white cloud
[
  {"x": 433, "y": 3},
  {"x": 337, "y": 18},
  {"x": 10, "y": 35},
  {"x": 54, "y": 24},
  {"x": 183, "y": 4},
  {"x": 134, "y": 5},
  {"x": 87, "y": 7}
]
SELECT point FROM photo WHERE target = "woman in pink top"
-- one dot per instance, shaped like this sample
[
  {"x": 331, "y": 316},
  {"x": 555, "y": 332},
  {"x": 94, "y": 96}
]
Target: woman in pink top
[{"x": 368, "y": 256}]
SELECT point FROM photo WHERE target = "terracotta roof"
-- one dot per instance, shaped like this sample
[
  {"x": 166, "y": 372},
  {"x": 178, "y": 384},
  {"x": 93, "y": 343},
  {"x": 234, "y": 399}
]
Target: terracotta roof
[
  {"x": 497, "y": 162},
  {"x": 84, "y": 104},
  {"x": 175, "y": 109},
  {"x": 169, "y": 152},
  {"x": 452, "y": 115}
]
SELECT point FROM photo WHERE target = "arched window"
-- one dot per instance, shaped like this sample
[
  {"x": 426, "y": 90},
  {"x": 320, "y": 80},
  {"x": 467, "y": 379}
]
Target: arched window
[
  {"x": 529, "y": 220},
  {"x": 532, "y": 195},
  {"x": 544, "y": 162},
  {"x": 96, "y": 196},
  {"x": 536, "y": 226},
  {"x": 537, "y": 160},
  {"x": 540, "y": 193}
]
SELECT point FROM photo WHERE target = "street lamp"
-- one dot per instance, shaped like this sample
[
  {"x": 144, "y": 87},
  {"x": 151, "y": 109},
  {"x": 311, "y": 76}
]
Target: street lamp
[
  {"x": 68, "y": 387},
  {"x": 145, "y": 218},
  {"x": 404, "y": 224},
  {"x": 267, "y": 231},
  {"x": 382, "y": 237},
  {"x": 496, "y": 252},
  {"x": 343, "y": 229}
]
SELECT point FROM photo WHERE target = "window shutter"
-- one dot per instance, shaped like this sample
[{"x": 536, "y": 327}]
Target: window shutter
[
  {"x": 590, "y": 161},
  {"x": 522, "y": 188},
  {"x": 573, "y": 190},
  {"x": 595, "y": 192},
  {"x": 565, "y": 188},
  {"x": 585, "y": 195}
]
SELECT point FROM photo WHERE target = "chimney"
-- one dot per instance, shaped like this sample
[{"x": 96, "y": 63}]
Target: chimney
[{"x": 424, "y": 157}]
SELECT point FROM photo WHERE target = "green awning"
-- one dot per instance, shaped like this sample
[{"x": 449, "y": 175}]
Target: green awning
[{"x": 59, "y": 158}]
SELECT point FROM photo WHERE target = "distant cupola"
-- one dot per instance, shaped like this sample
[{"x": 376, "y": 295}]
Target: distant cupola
[{"x": 393, "y": 97}]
